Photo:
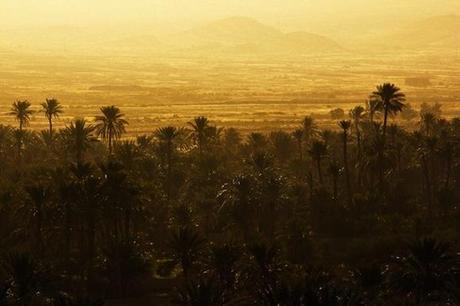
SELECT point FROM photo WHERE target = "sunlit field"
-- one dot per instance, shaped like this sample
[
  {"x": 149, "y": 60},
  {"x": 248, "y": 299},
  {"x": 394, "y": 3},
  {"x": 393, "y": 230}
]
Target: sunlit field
[{"x": 245, "y": 92}]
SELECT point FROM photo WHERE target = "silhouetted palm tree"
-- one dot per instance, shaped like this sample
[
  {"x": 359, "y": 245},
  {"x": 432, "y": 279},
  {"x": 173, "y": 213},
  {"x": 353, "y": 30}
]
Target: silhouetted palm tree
[
  {"x": 298, "y": 136},
  {"x": 169, "y": 137},
  {"x": 427, "y": 272},
  {"x": 202, "y": 292},
  {"x": 110, "y": 125},
  {"x": 22, "y": 112},
  {"x": 200, "y": 129},
  {"x": 52, "y": 109},
  {"x": 334, "y": 171},
  {"x": 185, "y": 244},
  {"x": 345, "y": 126},
  {"x": 24, "y": 277},
  {"x": 372, "y": 107},
  {"x": 317, "y": 151},
  {"x": 427, "y": 123},
  {"x": 78, "y": 137},
  {"x": 356, "y": 115},
  {"x": 38, "y": 195},
  {"x": 392, "y": 101},
  {"x": 310, "y": 129}
]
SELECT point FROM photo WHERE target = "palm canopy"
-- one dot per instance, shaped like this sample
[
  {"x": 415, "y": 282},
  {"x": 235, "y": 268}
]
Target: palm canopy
[
  {"x": 200, "y": 131},
  {"x": 389, "y": 97},
  {"x": 310, "y": 128},
  {"x": 345, "y": 125},
  {"x": 51, "y": 108},
  {"x": 78, "y": 136},
  {"x": 170, "y": 135},
  {"x": 110, "y": 125},
  {"x": 22, "y": 112}
]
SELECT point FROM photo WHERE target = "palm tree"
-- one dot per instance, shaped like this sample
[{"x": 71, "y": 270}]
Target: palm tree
[
  {"x": 185, "y": 245},
  {"x": 200, "y": 128},
  {"x": 78, "y": 137},
  {"x": 447, "y": 152},
  {"x": 428, "y": 122},
  {"x": 317, "y": 151},
  {"x": 391, "y": 100},
  {"x": 427, "y": 272},
  {"x": 25, "y": 277},
  {"x": 310, "y": 129},
  {"x": 52, "y": 109},
  {"x": 110, "y": 125},
  {"x": 356, "y": 115},
  {"x": 372, "y": 106},
  {"x": 345, "y": 126},
  {"x": 169, "y": 137},
  {"x": 22, "y": 112},
  {"x": 298, "y": 136},
  {"x": 334, "y": 170},
  {"x": 202, "y": 292},
  {"x": 38, "y": 196}
]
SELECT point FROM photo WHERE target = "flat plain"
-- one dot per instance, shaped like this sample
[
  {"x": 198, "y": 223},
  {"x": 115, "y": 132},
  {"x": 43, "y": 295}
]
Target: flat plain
[{"x": 260, "y": 93}]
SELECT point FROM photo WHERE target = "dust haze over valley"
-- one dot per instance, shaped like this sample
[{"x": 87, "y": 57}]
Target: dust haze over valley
[{"x": 262, "y": 65}]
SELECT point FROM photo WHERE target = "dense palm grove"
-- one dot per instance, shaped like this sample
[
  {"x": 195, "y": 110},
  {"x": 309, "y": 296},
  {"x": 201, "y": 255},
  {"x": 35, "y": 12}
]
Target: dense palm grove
[{"x": 366, "y": 214}]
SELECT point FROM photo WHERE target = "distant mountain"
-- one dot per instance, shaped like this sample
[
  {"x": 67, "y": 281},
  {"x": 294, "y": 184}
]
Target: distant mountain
[
  {"x": 441, "y": 32},
  {"x": 246, "y": 35}
]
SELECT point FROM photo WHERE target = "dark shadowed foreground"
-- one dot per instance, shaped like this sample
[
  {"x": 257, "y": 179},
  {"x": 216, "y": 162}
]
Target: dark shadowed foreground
[{"x": 365, "y": 214}]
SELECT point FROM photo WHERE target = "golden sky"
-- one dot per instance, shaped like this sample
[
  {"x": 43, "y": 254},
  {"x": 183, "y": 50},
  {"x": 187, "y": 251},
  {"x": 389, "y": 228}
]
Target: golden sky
[{"x": 284, "y": 12}]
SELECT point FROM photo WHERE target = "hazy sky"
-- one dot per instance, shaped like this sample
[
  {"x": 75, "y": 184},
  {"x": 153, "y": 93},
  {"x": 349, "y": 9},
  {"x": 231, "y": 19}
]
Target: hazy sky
[{"x": 281, "y": 12}]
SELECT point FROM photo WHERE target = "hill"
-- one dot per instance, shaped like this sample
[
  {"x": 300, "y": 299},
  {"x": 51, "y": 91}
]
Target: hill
[
  {"x": 440, "y": 32},
  {"x": 246, "y": 35}
]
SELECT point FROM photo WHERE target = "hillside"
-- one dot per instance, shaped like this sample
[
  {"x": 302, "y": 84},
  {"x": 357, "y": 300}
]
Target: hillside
[
  {"x": 246, "y": 35},
  {"x": 440, "y": 32}
]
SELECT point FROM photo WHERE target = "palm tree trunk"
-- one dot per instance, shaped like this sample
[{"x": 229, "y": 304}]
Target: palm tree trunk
[
  {"x": 110, "y": 143},
  {"x": 347, "y": 172},
  {"x": 300, "y": 150},
  {"x": 448, "y": 171},
  {"x": 384, "y": 131},
  {"x": 320, "y": 176},
  {"x": 50, "y": 121},
  {"x": 334, "y": 185}
]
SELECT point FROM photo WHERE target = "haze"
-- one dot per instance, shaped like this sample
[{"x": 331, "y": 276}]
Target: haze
[
  {"x": 292, "y": 13},
  {"x": 262, "y": 63}
]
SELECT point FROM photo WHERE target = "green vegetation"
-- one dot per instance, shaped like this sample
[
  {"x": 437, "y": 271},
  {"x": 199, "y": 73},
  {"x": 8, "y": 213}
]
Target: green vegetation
[{"x": 363, "y": 214}]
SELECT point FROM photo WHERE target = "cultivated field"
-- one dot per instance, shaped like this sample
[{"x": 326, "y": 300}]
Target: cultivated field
[{"x": 257, "y": 93}]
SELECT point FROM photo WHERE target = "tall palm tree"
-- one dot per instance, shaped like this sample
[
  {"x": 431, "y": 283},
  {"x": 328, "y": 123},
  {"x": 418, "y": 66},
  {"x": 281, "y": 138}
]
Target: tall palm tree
[
  {"x": 427, "y": 272},
  {"x": 38, "y": 196},
  {"x": 391, "y": 99},
  {"x": 78, "y": 137},
  {"x": 356, "y": 115},
  {"x": 334, "y": 170},
  {"x": 317, "y": 151},
  {"x": 310, "y": 128},
  {"x": 345, "y": 125},
  {"x": 372, "y": 106},
  {"x": 428, "y": 123},
  {"x": 169, "y": 138},
  {"x": 52, "y": 109},
  {"x": 200, "y": 127},
  {"x": 185, "y": 245},
  {"x": 110, "y": 125},
  {"x": 298, "y": 136},
  {"x": 22, "y": 112}
]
